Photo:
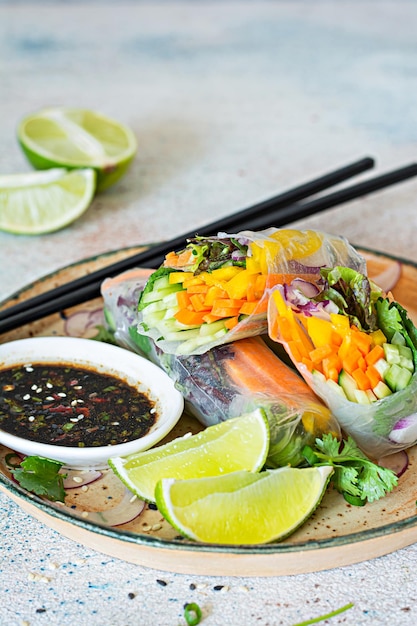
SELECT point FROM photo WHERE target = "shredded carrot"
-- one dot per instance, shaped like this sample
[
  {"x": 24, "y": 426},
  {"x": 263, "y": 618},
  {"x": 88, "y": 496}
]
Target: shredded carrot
[
  {"x": 361, "y": 379},
  {"x": 373, "y": 375},
  {"x": 183, "y": 299},
  {"x": 350, "y": 361},
  {"x": 231, "y": 322},
  {"x": 374, "y": 355},
  {"x": 189, "y": 318}
]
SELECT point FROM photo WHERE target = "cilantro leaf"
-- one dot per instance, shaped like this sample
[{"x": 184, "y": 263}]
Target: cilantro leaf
[
  {"x": 41, "y": 476},
  {"x": 354, "y": 474}
]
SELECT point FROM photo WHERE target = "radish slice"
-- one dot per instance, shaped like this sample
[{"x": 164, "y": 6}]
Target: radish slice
[
  {"x": 78, "y": 478},
  {"x": 388, "y": 278},
  {"x": 397, "y": 462},
  {"x": 77, "y": 324},
  {"x": 127, "y": 510}
]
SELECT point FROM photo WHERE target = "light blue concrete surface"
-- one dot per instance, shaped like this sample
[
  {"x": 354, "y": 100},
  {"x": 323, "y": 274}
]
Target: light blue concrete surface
[{"x": 232, "y": 102}]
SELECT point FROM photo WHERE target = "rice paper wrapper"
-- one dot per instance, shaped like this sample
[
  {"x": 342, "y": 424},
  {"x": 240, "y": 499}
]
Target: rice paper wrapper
[
  {"x": 265, "y": 256},
  {"x": 380, "y": 428},
  {"x": 121, "y": 294},
  {"x": 229, "y": 380}
]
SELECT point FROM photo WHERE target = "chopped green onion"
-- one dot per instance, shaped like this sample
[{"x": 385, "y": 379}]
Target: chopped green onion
[
  {"x": 315, "y": 620},
  {"x": 192, "y": 614}
]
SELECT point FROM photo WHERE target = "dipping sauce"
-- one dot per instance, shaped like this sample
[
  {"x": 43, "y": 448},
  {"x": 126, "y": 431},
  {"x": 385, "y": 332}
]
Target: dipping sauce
[{"x": 72, "y": 406}]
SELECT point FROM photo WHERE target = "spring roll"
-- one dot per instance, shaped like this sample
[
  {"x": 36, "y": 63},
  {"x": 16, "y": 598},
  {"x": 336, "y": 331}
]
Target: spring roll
[
  {"x": 228, "y": 380},
  {"x": 215, "y": 290},
  {"x": 357, "y": 349}
]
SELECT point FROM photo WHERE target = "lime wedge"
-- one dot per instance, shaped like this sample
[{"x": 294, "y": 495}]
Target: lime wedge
[
  {"x": 41, "y": 202},
  {"x": 243, "y": 507},
  {"x": 73, "y": 138},
  {"x": 236, "y": 444}
]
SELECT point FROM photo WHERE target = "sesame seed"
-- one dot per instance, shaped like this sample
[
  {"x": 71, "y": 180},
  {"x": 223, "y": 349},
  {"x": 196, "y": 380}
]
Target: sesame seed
[
  {"x": 31, "y": 418},
  {"x": 29, "y": 368},
  {"x": 84, "y": 514},
  {"x": 77, "y": 479},
  {"x": 115, "y": 423},
  {"x": 26, "y": 396},
  {"x": 74, "y": 419},
  {"x": 73, "y": 402},
  {"x": 49, "y": 385},
  {"x": 84, "y": 488},
  {"x": 34, "y": 387},
  {"x": 49, "y": 398},
  {"x": 133, "y": 498},
  {"x": 146, "y": 527},
  {"x": 157, "y": 527},
  {"x": 80, "y": 416},
  {"x": 61, "y": 394}
]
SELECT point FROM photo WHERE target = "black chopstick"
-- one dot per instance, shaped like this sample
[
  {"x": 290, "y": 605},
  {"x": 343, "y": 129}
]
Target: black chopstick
[
  {"x": 154, "y": 256},
  {"x": 305, "y": 209},
  {"x": 88, "y": 287}
]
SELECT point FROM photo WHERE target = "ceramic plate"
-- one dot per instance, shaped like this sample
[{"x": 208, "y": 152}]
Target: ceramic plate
[{"x": 337, "y": 534}]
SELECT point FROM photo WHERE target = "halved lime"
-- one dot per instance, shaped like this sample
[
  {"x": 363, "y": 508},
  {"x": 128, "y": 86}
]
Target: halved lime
[
  {"x": 41, "y": 202},
  {"x": 236, "y": 444},
  {"x": 73, "y": 138},
  {"x": 243, "y": 508}
]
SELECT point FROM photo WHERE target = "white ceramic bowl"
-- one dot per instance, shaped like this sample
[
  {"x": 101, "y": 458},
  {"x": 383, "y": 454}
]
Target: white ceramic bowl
[{"x": 104, "y": 358}]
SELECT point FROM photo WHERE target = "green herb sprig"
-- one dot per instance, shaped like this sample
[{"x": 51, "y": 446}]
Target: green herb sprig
[
  {"x": 359, "y": 479},
  {"x": 41, "y": 476}
]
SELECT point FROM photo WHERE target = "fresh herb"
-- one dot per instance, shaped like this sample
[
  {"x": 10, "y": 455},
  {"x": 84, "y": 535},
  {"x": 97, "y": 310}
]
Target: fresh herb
[
  {"x": 321, "y": 618},
  {"x": 41, "y": 476},
  {"x": 392, "y": 318},
  {"x": 162, "y": 271},
  {"x": 192, "y": 614},
  {"x": 355, "y": 476},
  {"x": 105, "y": 335},
  {"x": 353, "y": 293}
]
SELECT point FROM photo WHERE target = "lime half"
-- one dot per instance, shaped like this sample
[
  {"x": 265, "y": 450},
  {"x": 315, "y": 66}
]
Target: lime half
[
  {"x": 78, "y": 138},
  {"x": 243, "y": 507},
  {"x": 41, "y": 202},
  {"x": 236, "y": 444}
]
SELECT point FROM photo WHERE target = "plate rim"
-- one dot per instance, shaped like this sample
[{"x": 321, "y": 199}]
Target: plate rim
[{"x": 149, "y": 541}]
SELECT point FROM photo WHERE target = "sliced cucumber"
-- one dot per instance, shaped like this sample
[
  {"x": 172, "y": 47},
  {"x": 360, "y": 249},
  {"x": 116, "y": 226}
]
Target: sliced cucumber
[
  {"x": 332, "y": 384},
  {"x": 210, "y": 329},
  {"x": 159, "y": 294},
  {"x": 398, "y": 339},
  {"x": 348, "y": 384},
  {"x": 397, "y": 377},
  {"x": 392, "y": 354},
  {"x": 381, "y": 390},
  {"x": 361, "y": 396},
  {"x": 382, "y": 366},
  {"x": 406, "y": 358}
]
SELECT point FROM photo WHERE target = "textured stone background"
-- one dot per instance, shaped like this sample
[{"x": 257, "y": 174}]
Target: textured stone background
[{"x": 232, "y": 102}]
